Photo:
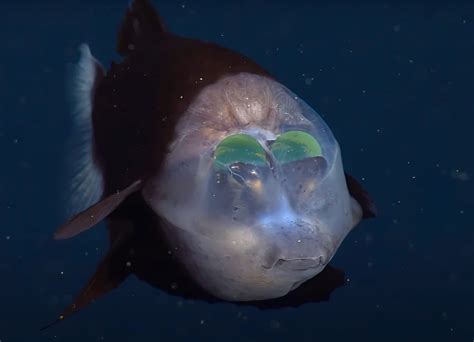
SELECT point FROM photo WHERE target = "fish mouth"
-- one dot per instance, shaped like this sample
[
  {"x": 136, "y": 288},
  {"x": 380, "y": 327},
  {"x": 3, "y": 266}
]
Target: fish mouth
[{"x": 299, "y": 264}]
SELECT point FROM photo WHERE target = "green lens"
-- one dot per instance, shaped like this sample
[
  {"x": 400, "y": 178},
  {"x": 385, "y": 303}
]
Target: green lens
[
  {"x": 239, "y": 148},
  {"x": 295, "y": 145}
]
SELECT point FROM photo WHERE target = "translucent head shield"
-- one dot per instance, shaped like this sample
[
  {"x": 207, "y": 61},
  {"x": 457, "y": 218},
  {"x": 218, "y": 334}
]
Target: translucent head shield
[{"x": 257, "y": 175}]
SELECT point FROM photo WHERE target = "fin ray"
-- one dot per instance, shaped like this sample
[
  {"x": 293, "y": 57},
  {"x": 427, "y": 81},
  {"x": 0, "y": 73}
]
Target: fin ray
[
  {"x": 87, "y": 183},
  {"x": 96, "y": 213}
]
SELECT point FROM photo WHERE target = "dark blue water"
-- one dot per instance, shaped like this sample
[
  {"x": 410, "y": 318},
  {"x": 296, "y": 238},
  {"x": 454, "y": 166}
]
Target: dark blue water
[{"x": 394, "y": 82}]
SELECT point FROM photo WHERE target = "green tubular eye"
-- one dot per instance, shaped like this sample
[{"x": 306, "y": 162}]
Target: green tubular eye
[
  {"x": 239, "y": 148},
  {"x": 295, "y": 145}
]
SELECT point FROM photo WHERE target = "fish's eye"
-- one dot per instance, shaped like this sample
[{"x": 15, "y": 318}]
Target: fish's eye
[
  {"x": 239, "y": 148},
  {"x": 295, "y": 145}
]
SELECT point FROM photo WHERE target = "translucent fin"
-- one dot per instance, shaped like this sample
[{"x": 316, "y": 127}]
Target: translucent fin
[
  {"x": 87, "y": 183},
  {"x": 91, "y": 216}
]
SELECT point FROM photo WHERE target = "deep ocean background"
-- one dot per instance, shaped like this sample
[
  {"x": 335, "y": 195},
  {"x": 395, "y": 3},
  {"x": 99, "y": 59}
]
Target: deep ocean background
[{"x": 394, "y": 81}]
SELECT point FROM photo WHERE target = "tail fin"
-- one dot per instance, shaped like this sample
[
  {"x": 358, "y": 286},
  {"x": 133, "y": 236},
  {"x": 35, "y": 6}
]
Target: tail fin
[{"x": 140, "y": 24}]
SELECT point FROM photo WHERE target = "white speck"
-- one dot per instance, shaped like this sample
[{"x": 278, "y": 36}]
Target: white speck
[
  {"x": 413, "y": 177},
  {"x": 200, "y": 78},
  {"x": 363, "y": 178},
  {"x": 460, "y": 175},
  {"x": 364, "y": 91},
  {"x": 348, "y": 279},
  {"x": 128, "y": 264},
  {"x": 410, "y": 61},
  {"x": 379, "y": 130},
  {"x": 461, "y": 211},
  {"x": 183, "y": 6},
  {"x": 181, "y": 97},
  {"x": 222, "y": 35},
  {"x": 7, "y": 237},
  {"x": 202, "y": 321},
  {"x": 298, "y": 241},
  {"x": 61, "y": 273},
  {"x": 15, "y": 141}
]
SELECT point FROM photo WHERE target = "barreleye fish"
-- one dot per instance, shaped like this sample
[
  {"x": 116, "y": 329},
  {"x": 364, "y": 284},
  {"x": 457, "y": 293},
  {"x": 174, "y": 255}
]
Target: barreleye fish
[{"x": 216, "y": 181}]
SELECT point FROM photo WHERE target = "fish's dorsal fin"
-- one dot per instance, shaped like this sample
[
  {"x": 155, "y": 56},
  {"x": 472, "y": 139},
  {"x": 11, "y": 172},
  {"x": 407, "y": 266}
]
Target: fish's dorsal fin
[
  {"x": 96, "y": 213},
  {"x": 361, "y": 196},
  {"x": 141, "y": 23}
]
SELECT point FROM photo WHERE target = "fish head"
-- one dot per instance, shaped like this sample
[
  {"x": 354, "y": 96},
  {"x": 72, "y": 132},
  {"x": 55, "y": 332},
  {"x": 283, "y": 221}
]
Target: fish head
[{"x": 252, "y": 193}]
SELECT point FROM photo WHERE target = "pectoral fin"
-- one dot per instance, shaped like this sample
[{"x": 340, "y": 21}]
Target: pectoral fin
[
  {"x": 96, "y": 213},
  {"x": 361, "y": 196},
  {"x": 111, "y": 272}
]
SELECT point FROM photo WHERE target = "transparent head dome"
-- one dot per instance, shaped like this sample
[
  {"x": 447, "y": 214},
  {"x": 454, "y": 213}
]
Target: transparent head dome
[{"x": 254, "y": 176}]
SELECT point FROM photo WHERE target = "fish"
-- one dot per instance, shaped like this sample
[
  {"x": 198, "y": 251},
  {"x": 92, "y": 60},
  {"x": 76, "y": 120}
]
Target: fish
[{"x": 216, "y": 182}]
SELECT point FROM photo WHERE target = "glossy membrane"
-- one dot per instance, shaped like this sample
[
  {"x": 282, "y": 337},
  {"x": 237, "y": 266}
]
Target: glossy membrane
[{"x": 253, "y": 180}]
